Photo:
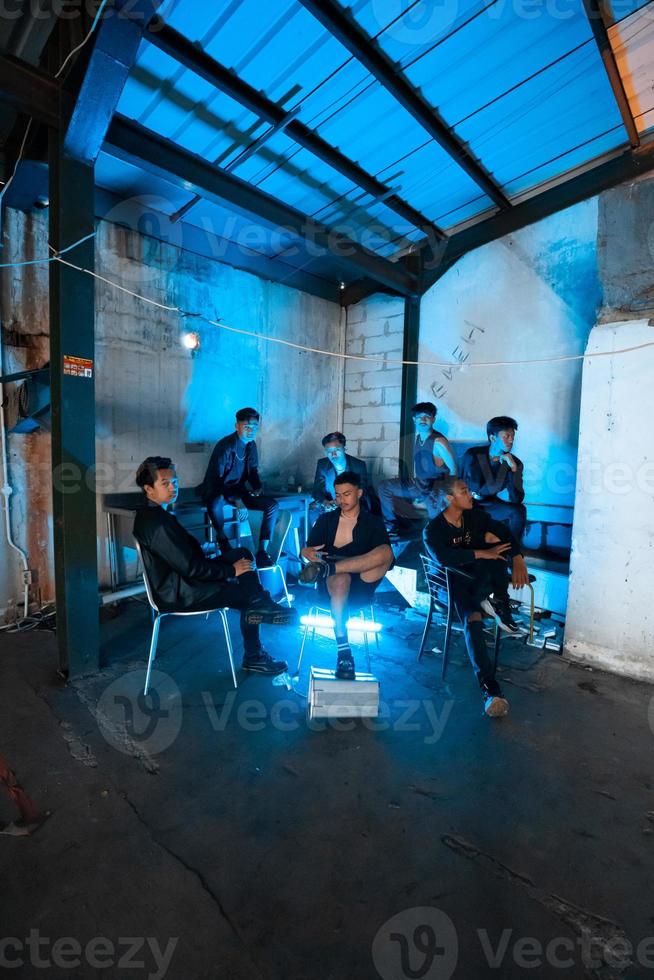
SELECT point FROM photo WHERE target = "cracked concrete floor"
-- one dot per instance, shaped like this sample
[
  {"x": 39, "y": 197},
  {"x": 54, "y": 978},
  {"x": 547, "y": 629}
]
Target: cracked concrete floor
[{"x": 221, "y": 829}]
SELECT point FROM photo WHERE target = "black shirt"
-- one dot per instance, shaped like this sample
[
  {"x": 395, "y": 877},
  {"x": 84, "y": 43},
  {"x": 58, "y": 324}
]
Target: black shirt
[
  {"x": 233, "y": 464},
  {"x": 368, "y": 533},
  {"x": 487, "y": 478},
  {"x": 452, "y": 546}
]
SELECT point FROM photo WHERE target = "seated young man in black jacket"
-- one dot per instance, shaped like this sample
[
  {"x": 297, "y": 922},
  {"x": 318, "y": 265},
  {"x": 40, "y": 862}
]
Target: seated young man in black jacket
[
  {"x": 493, "y": 470},
  {"x": 233, "y": 477},
  {"x": 183, "y": 579},
  {"x": 464, "y": 537},
  {"x": 348, "y": 553},
  {"x": 336, "y": 461}
]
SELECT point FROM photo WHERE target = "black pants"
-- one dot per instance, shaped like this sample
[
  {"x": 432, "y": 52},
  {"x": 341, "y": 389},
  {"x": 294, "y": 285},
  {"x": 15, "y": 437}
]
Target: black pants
[
  {"x": 268, "y": 505},
  {"x": 237, "y": 594},
  {"x": 396, "y": 500},
  {"x": 486, "y": 577},
  {"x": 514, "y": 515}
]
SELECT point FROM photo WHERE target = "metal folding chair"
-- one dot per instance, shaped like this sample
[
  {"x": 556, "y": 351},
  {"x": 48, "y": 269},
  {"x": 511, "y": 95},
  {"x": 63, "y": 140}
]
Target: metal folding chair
[
  {"x": 276, "y": 550},
  {"x": 440, "y": 596},
  {"x": 157, "y": 616},
  {"x": 325, "y": 610}
]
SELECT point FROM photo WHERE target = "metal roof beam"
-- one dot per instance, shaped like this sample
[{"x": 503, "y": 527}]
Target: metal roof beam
[
  {"x": 196, "y": 60},
  {"x": 142, "y": 148},
  {"x": 366, "y": 50},
  {"x": 626, "y": 166},
  {"x": 112, "y": 55},
  {"x": 595, "y": 14},
  {"x": 25, "y": 89}
]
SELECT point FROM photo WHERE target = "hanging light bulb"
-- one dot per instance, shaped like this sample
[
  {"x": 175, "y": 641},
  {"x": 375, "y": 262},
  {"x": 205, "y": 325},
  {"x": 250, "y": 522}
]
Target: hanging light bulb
[{"x": 191, "y": 340}]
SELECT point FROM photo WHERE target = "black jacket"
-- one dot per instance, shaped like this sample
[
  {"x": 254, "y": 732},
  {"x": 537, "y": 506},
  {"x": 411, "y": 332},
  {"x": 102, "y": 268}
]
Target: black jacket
[
  {"x": 222, "y": 464},
  {"x": 488, "y": 481},
  {"x": 368, "y": 533},
  {"x": 452, "y": 546},
  {"x": 323, "y": 485},
  {"x": 174, "y": 561}
]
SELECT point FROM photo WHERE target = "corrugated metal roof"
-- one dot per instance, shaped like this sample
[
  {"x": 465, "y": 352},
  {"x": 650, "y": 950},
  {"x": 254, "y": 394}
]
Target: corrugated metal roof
[{"x": 522, "y": 85}]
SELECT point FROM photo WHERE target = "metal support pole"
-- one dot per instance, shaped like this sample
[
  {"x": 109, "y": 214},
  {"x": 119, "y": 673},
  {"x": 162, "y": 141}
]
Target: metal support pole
[
  {"x": 409, "y": 381},
  {"x": 72, "y": 370}
]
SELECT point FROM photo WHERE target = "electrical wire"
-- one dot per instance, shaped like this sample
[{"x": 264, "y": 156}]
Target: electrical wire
[
  {"x": 456, "y": 365},
  {"x": 98, "y": 15}
]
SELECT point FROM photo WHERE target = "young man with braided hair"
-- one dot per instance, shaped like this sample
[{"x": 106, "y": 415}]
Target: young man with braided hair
[{"x": 464, "y": 538}]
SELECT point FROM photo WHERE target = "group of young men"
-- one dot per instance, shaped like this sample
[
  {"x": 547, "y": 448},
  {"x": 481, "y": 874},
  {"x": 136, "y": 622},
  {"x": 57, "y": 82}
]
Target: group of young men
[{"x": 476, "y": 522}]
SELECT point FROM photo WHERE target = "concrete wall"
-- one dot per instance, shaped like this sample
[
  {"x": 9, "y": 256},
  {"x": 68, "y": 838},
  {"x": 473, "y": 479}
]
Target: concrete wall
[
  {"x": 372, "y": 401},
  {"x": 610, "y": 620},
  {"x": 153, "y": 396},
  {"x": 533, "y": 294}
]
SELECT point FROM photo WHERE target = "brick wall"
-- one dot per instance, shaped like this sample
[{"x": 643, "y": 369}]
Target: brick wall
[{"x": 372, "y": 401}]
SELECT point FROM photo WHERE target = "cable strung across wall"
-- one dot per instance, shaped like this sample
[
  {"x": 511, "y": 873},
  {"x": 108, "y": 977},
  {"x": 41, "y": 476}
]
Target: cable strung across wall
[{"x": 57, "y": 257}]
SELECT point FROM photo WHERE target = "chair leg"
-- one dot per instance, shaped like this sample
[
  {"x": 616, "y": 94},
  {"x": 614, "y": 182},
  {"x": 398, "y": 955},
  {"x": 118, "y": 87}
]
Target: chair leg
[
  {"x": 153, "y": 651},
  {"x": 304, "y": 640},
  {"x": 496, "y": 649},
  {"x": 372, "y": 617},
  {"x": 446, "y": 641},
  {"x": 228, "y": 642},
  {"x": 362, "y": 615},
  {"x": 430, "y": 616},
  {"x": 286, "y": 592},
  {"x": 532, "y": 610}
]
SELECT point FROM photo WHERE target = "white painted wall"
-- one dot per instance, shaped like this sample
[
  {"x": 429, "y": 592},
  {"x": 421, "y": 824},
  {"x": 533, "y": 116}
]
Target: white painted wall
[
  {"x": 533, "y": 294},
  {"x": 610, "y": 619}
]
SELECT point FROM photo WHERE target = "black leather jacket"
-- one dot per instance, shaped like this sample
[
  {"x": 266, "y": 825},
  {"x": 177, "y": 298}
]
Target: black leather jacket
[
  {"x": 217, "y": 481},
  {"x": 175, "y": 564},
  {"x": 323, "y": 483}
]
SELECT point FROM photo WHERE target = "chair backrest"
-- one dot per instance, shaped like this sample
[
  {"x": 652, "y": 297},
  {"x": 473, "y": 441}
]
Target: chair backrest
[
  {"x": 284, "y": 521},
  {"x": 148, "y": 589},
  {"x": 437, "y": 581}
]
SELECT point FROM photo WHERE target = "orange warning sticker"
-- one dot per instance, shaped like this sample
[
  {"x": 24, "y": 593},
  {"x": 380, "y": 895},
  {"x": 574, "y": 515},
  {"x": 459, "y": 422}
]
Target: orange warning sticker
[{"x": 79, "y": 367}]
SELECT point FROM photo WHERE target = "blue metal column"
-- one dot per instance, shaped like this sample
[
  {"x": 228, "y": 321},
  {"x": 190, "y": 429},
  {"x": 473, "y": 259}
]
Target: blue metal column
[{"x": 72, "y": 358}]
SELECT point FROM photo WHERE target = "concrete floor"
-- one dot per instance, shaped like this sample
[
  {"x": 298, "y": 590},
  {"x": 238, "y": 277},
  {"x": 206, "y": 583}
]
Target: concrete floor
[{"x": 223, "y": 838}]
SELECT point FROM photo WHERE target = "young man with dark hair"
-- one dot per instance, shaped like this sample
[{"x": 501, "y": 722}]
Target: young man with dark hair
[
  {"x": 348, "y": 554},
  {"x": 336, "y": 462},
  {"x": 183, "y": 579},
  {"x": 464, "y": 538},
  {"x": 233, "y": 477},
  {"x": 433, "y": 460},
  {"x": 494, "y": 475}
]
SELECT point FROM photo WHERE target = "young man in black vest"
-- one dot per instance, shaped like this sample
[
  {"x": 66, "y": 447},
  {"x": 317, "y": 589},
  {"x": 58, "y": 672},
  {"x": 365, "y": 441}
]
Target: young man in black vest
[
  {"x": 349, "y": 553},
  {"x": 233, "y": 477},
  {"x": 433, "y": 460},
  {"x": 494, "y": 475},
  {"x": 183, "y": 579},
  {"x": 464, "y": 538}
]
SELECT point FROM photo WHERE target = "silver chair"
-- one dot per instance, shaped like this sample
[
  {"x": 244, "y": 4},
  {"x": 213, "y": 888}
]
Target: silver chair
[
  {"x": 276, "y": 549},
  {"x": 320, "y": 610},
  {"x": 439, "y": 585},
  {"x": 157, "y": 616}
]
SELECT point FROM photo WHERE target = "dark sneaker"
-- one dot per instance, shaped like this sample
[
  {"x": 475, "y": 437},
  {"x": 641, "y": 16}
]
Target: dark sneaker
[
  {"x": 261, "y": 662},
  {"x": 345, "y": 667},
  {"x": 495, "y": 706},
  {"x": 263, "y": 559},
  {"x": 262, "y": 609},
  {"x": 501, "y": 613},
  {"x": 313, "y": 572}
]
